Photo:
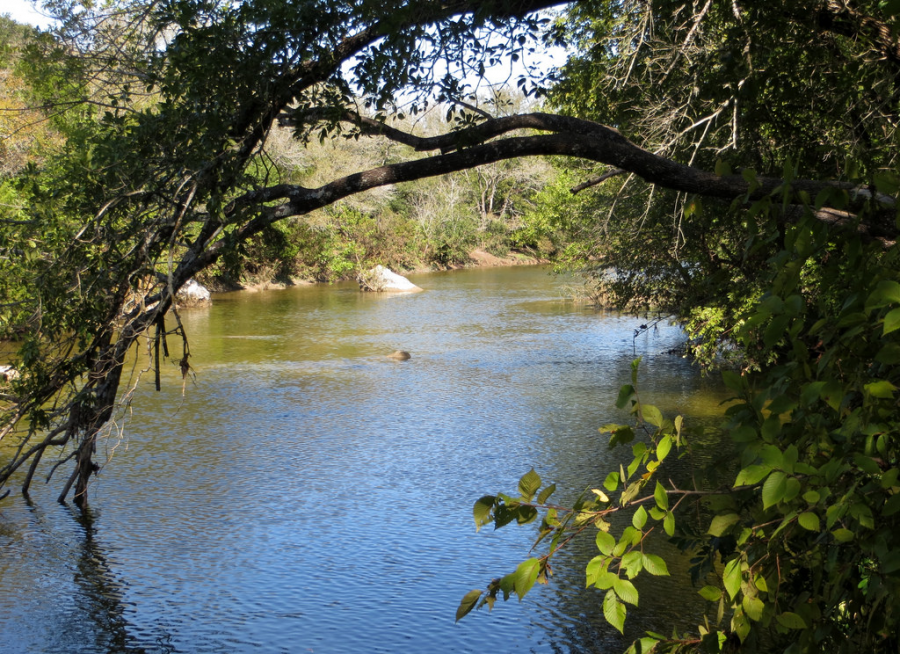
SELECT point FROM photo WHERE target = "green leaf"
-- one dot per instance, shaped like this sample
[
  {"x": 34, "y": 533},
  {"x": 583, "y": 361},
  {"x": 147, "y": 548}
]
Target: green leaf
[
  {"x": 753, "y": 607},
  {"x": 891, "y": 506},
  {"x": 812, "y": 496},
  {"x": 626, "y": 591},
  {"x": 467, "y": 604},
  {"x": 886, "y": 182},
  {"x": 791, "y": 621},
  {"x": 526, "y": 575},
  {"x": 774, "y": 488},
  {"x": 752, "y": 475},
  {"x": 611, "y": 482},
  {"x": 655, "y": 565},
  {"x": 625, "y": 394},
  {"x": 881, "y": 389},
  {"x": 886, "y": 292},
  {"x": 605, "y": 542},
  {"x": 661, "y": 497},
  {"x": 721, "y": 523},
  {"x": 731, "y": 577},
  {"x": 595, "y": 567},
  {"x": 546, "y": 493},
  {"x": 889, "y": 354},
  {"x": 652, "y": 415},
  {"x": 606, "y": 579},
  {"x": 842, "y": 535},
  {"x": 639, "y": 519},
  {"x": 891, "y": 322},
  {"x": 711, "y": 593},
  {"x": 809, "y": 521},
  {"x": 614, "y": 611},
  {"x": 833, "y": 394},
  {"x": 665, "y": 445},
  {"x": 529, "y": 484},
  {"x": 632, "y": 563},
  {"x": 482, "y": 511},
  {"x": 669, "y": 523}
]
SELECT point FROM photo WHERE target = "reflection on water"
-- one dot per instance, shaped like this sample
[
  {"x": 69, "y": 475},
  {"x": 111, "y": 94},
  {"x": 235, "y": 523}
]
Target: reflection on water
[{"x": 307, "y": 494}]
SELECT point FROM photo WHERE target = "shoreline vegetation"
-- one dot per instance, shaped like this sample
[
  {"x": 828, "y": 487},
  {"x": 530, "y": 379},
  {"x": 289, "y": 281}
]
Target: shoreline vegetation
[{"x": 477, "y": 258}]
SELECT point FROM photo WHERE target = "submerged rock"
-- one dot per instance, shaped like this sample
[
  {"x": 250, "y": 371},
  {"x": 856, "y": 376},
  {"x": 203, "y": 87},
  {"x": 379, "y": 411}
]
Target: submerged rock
[
  {"x": 380, "y": 280},
  {"x": 399, "y": 355}
]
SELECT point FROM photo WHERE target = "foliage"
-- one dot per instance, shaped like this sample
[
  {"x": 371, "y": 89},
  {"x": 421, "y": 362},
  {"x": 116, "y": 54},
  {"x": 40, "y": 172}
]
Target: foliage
[
  {"x": 794, "y": 88},
  {"x": 759, "y": 203},
  {"x": 799, "y": 550}
]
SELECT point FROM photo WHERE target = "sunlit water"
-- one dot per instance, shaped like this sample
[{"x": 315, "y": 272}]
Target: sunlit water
[{"x": 307, "y": 494}]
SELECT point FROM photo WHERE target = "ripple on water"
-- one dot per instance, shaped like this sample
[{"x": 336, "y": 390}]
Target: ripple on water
[{"x": 307, "y": 494}]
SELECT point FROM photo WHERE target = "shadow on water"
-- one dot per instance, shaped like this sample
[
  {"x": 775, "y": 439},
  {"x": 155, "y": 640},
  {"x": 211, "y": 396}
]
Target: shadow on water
[
  {"x": 103, "y": 595},
  {"x": 82, "y": 611}
]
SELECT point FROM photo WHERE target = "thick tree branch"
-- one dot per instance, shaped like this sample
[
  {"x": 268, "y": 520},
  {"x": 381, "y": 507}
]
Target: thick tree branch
[{"x": 570, "y": 137}]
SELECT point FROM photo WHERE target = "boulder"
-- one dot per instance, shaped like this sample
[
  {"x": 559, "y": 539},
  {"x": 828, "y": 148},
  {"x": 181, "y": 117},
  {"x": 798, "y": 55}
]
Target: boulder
[
  {"x": 381, "y": 280},
  {"x": 399, "y": 355},
  {"x": 193, "y": 294}
]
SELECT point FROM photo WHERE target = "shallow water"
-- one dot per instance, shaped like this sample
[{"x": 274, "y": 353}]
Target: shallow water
[{"x": 306, "y": 494}]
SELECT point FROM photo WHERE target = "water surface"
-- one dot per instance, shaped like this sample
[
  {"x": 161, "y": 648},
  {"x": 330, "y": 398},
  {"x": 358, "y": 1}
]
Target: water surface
[{"x": 303, "y": 493}]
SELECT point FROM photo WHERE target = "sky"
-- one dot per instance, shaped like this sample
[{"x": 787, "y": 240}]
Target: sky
[{"x": 23, "y": 11}]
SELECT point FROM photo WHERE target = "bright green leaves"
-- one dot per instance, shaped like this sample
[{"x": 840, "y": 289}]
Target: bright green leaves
[
  {"x": 614, "y": 611},
  {"x": 655, "y": 565},
  {"x": 626, "y": 591},
  {"x": 639, "y": 518},
  {"x": 721, "y": 523},
  {"x": 731, "y": 577},
  {"x": 664, "y": 447},
  {"x": 525, "y": 576},
  {"x": 661, "y": 497},
  {"x": 605, "y": 542},
  {"x": 752, "y": 475},
  {"x": 774, "y": 489},
  {"x": 652, "y": 415},
  {"x": 809, "y": 520},
  {"x": 711, "y": 593}
]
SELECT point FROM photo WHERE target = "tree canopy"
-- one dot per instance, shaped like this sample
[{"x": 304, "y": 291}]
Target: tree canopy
[{"x": 736, "y": 166}]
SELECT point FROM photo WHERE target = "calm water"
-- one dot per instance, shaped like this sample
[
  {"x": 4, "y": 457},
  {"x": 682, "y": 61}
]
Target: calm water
[{"x": 306, "y": 494}]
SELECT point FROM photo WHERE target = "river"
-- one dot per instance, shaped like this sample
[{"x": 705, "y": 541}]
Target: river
[{"x": 304, "y": 493}]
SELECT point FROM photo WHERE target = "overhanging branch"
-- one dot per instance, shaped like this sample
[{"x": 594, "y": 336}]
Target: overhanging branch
[{"x": 568, "y": 136}]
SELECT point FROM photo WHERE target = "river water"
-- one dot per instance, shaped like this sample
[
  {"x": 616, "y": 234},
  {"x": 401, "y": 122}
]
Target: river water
[{"x": 303, "y": 493}]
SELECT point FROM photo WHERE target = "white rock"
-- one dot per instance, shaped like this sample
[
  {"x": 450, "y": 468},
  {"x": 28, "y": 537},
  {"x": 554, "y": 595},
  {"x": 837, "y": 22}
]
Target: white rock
[
  {"x": 380, "y": 279},
  {"x": 8, "y": 373},
  {"x": 194, "y": 294}
]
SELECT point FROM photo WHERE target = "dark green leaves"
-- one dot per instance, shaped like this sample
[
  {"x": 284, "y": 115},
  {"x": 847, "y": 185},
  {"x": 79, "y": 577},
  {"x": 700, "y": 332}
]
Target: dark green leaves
[{"x": 482, "y": 511}]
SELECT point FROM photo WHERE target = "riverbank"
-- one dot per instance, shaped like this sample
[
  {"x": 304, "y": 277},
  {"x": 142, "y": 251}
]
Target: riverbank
[{"x": 478, "y": 258}]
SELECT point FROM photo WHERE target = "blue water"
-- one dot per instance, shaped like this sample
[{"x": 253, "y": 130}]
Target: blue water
[{"x": 303, "y": 493}]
